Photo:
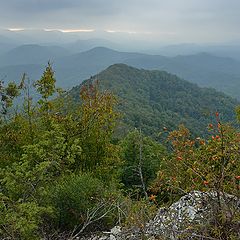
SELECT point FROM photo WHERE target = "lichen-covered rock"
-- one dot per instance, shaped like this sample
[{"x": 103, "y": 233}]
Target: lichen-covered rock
[{"x": 192, "y": 210}]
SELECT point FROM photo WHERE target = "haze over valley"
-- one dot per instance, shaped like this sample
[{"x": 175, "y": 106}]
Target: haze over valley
[{"x": 208, "y": 66}]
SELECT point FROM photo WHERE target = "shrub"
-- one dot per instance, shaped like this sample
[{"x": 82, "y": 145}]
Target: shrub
[
  {"x": 22, "y": 220},
  {"x": 142, "y": 156},
  {"x": 209, "y": 166},
  {"x": 138, "y": 213},
  {"x": 82, "y": 201}
]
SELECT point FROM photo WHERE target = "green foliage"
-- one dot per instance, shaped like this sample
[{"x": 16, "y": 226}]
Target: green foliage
[
  {"x": 213, "y": 166},
  {"x": 46, "y": 87},
  {"x": 97, "y": 123},
  {"x": 7, "y": 95},
  {"x": 43, "y": 144},
  {"x": 77, "y": 197},
  {"x": 138, "y": 213},
  {"x": 19, "y": 220},
  {"x": 13, "y": 136},
  {"x": 238, "y": 113},
  {"x": 152, "y": 153},
  {"x": 203, "y": 165},
  {"x": 152, "y": 100},
  {"x": 62, "y": 169}
]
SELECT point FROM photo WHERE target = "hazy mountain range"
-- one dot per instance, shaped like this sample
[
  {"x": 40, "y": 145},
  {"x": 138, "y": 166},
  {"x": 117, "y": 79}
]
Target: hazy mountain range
[{"x": 207, "y": 70}]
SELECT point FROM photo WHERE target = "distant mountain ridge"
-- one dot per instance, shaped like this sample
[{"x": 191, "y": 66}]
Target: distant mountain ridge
[
  {"x": 156, "y": 99},
  {"x": 32, "y": 54},
  {"x": 204, "y": 69},
  {"x": 221, "y": 73}
]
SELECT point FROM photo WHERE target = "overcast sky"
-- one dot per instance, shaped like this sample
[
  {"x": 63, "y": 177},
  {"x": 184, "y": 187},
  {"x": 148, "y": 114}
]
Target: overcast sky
[{"x": 163, "y": 20}]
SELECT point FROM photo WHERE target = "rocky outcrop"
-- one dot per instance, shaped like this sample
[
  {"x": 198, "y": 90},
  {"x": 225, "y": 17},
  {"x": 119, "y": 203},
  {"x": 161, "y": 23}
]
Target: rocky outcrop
[
  {"x": 194, "y": 210},
  {"x": 182, "y": 219}
]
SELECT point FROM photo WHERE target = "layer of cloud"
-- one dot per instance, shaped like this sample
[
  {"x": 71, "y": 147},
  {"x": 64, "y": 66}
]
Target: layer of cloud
[{"x": 183, "y": 20}]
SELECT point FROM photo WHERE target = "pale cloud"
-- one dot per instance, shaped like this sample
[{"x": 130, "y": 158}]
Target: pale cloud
[
  {"x": 16, "y": 29},
  {"x": 179, "y": 20},
  {"x": 69, "y": 30}
]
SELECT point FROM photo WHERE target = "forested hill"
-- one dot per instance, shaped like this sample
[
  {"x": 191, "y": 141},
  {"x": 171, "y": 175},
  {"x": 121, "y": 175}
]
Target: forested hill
[{"x": 153, "y": 100}]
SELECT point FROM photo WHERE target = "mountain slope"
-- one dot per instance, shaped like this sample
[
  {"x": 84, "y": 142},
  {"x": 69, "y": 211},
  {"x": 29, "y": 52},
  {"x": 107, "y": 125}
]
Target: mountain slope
[
  {"x": 84, "y": 45},
  {"x": 206, "y": 70},
  {"x": 156, "y": 99},
  {"x": 32, "y": 54}
]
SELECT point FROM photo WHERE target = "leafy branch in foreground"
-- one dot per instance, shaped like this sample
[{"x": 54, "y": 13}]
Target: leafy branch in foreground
[{"x": 209, "y": 166}]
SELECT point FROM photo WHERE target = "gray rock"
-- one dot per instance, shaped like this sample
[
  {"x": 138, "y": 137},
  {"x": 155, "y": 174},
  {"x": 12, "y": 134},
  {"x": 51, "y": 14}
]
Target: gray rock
[{"x": 191, "y": 210}]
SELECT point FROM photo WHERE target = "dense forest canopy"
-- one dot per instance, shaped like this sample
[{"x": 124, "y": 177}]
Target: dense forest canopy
[{"x": 153, "y": 100}]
